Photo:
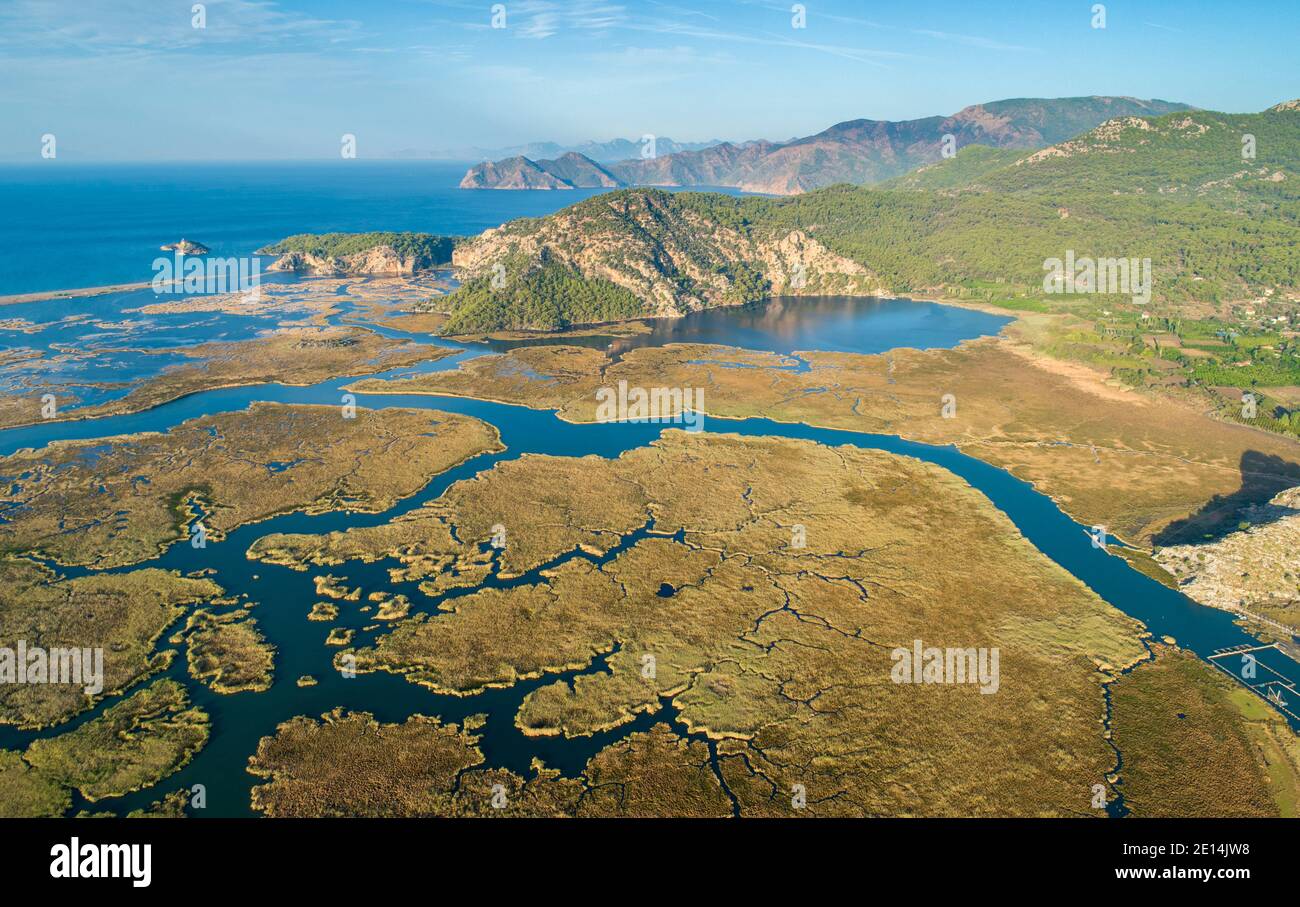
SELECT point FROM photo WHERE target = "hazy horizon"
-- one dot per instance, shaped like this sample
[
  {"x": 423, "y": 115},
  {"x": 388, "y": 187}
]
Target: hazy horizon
[
  {"x": 257, "y": 80},
  {"x": 420, "y": 157}
]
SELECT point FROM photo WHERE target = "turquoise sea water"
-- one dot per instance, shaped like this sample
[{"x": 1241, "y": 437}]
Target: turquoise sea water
[
  {"x": 283, "y": 597},
  {"x": 83, "y": 225}
]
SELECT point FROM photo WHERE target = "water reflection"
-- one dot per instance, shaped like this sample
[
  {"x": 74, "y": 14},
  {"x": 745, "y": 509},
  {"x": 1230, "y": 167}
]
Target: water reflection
[{"x": 784, "y": 324}]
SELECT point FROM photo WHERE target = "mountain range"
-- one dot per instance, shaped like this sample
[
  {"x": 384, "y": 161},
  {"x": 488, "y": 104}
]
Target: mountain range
[
  {"x": 602, "y": 152},
  {"x": 856, "y": 151},
  {"x": 1217, "y": 224}
]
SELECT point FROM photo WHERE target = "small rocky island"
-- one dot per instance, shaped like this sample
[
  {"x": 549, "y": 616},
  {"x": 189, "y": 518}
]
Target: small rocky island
[{"x": 186, "y": 247}]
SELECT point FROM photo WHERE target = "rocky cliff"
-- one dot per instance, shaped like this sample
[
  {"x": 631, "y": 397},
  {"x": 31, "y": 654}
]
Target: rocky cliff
[
  {"x": 379, "y": 260},
  {"x": 344, "y": 254},
  {"x": 674, "y": 253}
]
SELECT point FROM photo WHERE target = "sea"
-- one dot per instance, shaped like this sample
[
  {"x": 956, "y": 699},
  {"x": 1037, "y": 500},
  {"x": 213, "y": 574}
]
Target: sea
[
  {"x": 84, "y": 226},
  {"x": 89, "y": 225}
]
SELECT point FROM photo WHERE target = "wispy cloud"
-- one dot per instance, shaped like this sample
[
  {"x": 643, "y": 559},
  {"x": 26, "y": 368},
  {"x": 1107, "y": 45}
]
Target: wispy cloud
[
  {"x": 970, "y": 40},
  {"x": 870, "y": 56},
  {"x": 541, "y": 19},
  {"x": 682, "y": 11},
  {"x": 818, "y": 14},
  {"x": 677, "y": 57},
  {"x": 32, "y": 27}
]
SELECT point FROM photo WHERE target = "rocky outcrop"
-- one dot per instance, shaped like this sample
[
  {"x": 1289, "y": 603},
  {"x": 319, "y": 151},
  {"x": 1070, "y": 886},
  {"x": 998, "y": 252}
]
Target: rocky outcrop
[
  {"x": 512, "y": 173},
  {"x": 579, "y": 172},
  {"x": 672, "y": 256},
  {"x": 381, "y": 260},
  {"x": 569, "y": 171},
  {"x": 186, "y": 247},
  {"x": 344, "y": 254}
]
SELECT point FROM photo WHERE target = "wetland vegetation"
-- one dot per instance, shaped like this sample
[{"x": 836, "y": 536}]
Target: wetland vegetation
[
  {"x": 118, "y": 501},
  {"x": 618, "y": 622},
  {"x": 777, "y": 656}
]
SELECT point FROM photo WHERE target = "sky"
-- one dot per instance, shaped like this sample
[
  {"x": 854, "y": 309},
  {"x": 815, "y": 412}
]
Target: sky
[{"x": 123, "y": 80}]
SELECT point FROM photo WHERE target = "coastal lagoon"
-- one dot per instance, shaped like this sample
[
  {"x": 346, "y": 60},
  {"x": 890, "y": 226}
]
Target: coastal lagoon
[
  {"x": 283, "y": 596},
  {"x": 103, "y": 225},
  {"x": 785, "y": 325},
  {"x": 101, "y": 347}
]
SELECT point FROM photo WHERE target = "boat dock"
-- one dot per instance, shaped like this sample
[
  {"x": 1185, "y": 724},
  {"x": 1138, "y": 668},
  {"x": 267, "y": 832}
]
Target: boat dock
[{"x": 1272, "y": 686}]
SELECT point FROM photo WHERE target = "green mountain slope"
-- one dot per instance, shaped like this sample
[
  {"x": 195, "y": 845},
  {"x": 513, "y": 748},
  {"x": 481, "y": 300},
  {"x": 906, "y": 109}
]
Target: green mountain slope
[
  {"x": 1221, "y": 234},
  {"x": 927, "y": 242},
  {"x": 962, "y": 171},
  {"x": 855, "y": 151},
  {"x": 1202, "y": 154},
  {"x": 1173, "y": 189}
]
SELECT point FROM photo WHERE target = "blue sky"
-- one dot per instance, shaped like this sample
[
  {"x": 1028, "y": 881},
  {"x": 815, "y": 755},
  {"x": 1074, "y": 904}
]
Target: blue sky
[{"x": 134, "y": 80}]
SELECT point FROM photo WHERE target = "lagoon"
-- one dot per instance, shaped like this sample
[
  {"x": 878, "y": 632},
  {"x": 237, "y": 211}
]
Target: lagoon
[{"x": 284, "y": 596}]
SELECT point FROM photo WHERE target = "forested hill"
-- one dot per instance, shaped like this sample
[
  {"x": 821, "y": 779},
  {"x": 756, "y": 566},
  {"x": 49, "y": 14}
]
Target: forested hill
[
  {"x": 1217, "y": 226},
  {"x": 636, "y": 253},
  {"x": 1174, "y": 189},
  {"x": 1196, "y": 153}
]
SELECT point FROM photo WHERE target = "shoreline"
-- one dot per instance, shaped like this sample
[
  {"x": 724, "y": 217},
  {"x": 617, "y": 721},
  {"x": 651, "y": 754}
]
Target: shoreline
[
  {"x": 592, "y": 327},
  {"x": 89, "y": 292},
  {"x": 76, "y": 293},
  {"x": 644, "y": 323}
]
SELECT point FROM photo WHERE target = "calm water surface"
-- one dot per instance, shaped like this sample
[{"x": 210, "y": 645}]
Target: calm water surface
[
  {"x": 272, "y": 203},
  {"x": 90, "y": 225}
]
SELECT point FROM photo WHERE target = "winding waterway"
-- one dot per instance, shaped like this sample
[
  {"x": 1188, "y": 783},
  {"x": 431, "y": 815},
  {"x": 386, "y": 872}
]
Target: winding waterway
[{"x": 283, "y": 596}]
